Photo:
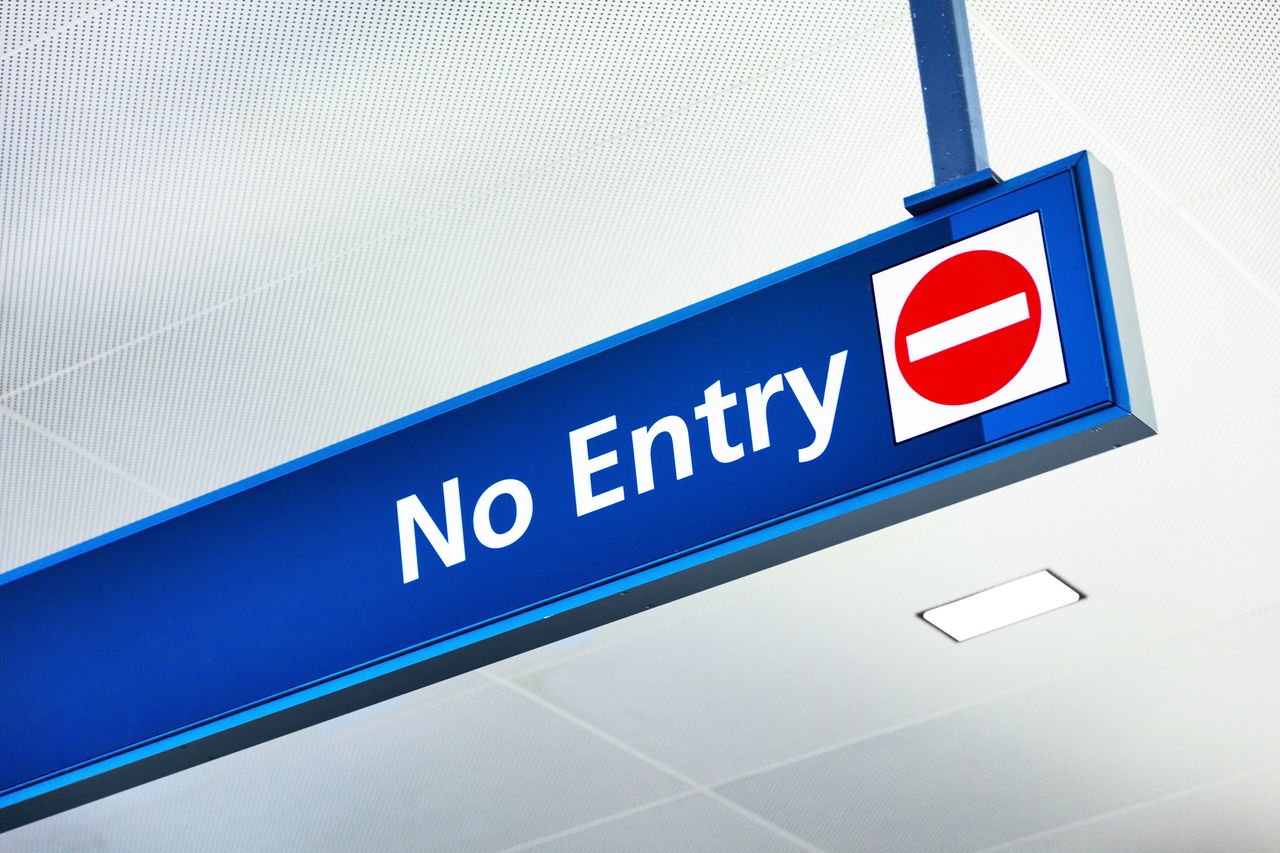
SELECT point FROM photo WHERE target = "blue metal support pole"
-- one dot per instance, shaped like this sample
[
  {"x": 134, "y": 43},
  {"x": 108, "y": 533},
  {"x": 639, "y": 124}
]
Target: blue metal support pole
[{"x": 953, "y": 116}]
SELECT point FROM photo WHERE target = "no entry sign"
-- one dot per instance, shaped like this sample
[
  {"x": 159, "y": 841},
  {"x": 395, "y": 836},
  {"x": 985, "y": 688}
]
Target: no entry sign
[
  {"x": 975, "y": 345},
  {"x": 968, "y": 327}
]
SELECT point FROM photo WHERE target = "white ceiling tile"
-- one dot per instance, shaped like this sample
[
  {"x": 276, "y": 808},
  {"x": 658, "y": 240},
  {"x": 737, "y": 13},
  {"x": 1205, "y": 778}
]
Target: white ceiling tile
[
  {"x": 403, "y": 775},
  {"x": 1238, "y": 814},
  {"x": 1127, "y": 731},
  {"x": 1243, "y": 217},
  {"x": 1179, "y": 86},
  {"x": 27, "y": 21},
  {"x": 163, "y": 159},
  {"x": 726, "y": 190}
]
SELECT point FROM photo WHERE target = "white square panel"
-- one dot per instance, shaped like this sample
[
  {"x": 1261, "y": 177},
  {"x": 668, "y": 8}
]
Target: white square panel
[{"x": 969, "y": 327}]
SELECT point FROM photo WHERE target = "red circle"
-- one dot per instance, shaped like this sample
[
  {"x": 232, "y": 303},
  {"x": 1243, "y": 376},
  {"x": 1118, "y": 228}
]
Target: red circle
[{"x": 977, "y": 368}]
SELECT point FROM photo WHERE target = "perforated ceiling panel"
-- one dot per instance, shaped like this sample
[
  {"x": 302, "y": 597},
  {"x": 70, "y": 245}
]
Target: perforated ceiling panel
[
  {"x": 234, "y": 232},
  {"x": 257, "y": 228}
]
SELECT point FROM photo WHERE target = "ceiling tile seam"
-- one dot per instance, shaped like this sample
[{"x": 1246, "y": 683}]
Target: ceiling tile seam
[
  {"x": 440, "y": 214},
  {"x": 883, "y": 731},
  {"x": 1132, "y": 807},
  {"x": 1238, "y": 187},
  {"x": 1108, "y": 659},
  {"x": 598, "y": 822},
  {"x": 1177, "y": 207},
  {"x": 694, "y": 785},
  {"x": 67, "y": 444},
  {"x": 58, "y": 30}
]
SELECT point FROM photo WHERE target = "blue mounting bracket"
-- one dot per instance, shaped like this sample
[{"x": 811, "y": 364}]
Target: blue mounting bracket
[
  {"x": 936, "y": 196},
  {"x": 952, "y": 113}
]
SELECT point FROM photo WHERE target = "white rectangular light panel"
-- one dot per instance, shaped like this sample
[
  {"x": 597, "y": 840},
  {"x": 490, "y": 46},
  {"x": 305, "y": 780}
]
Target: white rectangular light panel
[{"x": 1001, "y": 605}]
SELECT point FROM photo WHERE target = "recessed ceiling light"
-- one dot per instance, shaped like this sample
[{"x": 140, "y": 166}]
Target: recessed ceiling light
[{"x": 1001, "y": 605}]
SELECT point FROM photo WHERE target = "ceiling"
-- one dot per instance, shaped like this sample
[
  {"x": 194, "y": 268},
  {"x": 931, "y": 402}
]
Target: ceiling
[{"x": 234, "y": 233}]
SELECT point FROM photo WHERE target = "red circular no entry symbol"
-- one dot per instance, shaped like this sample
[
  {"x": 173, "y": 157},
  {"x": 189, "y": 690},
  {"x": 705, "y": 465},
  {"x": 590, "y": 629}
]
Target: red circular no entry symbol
[{"x": 968, "y": 327}]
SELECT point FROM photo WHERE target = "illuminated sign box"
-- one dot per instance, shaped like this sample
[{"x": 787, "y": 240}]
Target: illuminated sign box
[{"x": 978, "y": 344}]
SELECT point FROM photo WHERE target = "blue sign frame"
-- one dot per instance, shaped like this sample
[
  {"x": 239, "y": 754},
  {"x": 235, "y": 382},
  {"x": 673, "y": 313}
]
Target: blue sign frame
[{"x": 288, "y": 598}]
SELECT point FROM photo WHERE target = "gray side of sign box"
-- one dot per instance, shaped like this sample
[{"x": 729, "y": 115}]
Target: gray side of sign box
[{"x": 1124, "y": 305}]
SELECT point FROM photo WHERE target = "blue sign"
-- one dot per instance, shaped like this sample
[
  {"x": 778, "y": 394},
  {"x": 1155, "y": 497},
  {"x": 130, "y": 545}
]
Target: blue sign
[{"x": 977, "y": 344}]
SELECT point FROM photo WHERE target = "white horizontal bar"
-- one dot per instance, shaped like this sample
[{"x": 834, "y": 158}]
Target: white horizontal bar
[
  {"x": 968, "y": 326},
  {"x": 1002, "y": 605}
]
